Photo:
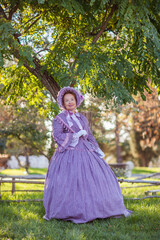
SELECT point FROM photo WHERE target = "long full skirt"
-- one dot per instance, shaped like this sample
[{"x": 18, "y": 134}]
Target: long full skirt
[{"x": 80, "y": 187}]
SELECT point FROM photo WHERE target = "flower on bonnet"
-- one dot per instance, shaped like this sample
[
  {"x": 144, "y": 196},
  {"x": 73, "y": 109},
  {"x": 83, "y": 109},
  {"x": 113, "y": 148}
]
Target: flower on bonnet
[{"x": 79, "y": 96}]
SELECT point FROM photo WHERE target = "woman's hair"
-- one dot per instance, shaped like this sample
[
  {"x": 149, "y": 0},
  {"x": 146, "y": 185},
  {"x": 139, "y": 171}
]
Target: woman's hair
[{"x": 70, "y": 93}]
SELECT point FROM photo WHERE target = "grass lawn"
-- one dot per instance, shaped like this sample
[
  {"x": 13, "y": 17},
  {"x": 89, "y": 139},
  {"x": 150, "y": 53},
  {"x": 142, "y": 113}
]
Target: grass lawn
[
  {"x": 22, "y": 171},
  {"x": 145, "y": 170},
  {"x": 24, "y": 220}
]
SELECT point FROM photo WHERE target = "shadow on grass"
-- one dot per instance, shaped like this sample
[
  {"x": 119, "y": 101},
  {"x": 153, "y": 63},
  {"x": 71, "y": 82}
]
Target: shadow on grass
[
  {"x": 25, "y": 221},
  {"x": 20, "y": 219}
]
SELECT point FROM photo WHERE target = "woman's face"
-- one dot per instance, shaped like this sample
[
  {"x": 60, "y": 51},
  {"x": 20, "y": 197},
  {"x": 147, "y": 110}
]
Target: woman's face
[{"x": 69, "y": 101}]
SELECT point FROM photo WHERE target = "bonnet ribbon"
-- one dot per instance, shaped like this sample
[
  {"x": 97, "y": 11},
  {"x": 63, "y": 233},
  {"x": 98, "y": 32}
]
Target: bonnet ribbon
[{"x": 74, "y": 117}]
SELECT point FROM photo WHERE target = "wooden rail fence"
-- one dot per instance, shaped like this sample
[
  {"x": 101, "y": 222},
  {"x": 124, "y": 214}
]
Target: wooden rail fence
[
  {"x": 39, "y": 179},
  {"x": 30, "y": 179}
]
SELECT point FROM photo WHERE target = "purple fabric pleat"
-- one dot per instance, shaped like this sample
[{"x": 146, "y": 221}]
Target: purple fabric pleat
[{"x": 79, "y": 185}]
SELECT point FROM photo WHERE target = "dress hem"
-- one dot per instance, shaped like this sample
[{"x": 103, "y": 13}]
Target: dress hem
[{"x": 127, "y": 213}]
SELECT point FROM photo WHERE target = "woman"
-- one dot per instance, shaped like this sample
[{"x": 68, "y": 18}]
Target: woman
[{"x": 79, "y": 185}]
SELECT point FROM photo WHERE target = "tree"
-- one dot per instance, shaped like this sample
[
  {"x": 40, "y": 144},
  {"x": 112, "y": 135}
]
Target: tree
[
  {"x": 23, "y": 129},
  {"x": 108, "y": 47},
  {"x": 145, "y": 128},
  {"x": 136, "y": 130}
]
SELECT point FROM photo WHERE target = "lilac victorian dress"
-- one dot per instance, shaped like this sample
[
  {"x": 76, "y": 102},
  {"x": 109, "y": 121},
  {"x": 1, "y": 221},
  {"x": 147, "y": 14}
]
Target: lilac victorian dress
[{"x": 79, "y": 185}]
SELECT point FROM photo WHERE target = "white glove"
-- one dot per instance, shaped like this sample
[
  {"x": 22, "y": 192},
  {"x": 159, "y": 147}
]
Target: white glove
[
  {"x": 76, "y": 137},
  {"x": 100, "y": 153},
  {"x": 81, "y": 132}
]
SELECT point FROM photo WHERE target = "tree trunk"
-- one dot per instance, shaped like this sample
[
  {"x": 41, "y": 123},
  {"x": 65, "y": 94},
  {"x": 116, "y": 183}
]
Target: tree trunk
[
  {"x": 118, "y": 148},
  {"x": 142, "y": 157},
  {"x": 88, "y": 115},
  {"x": 135, "y": 144},
  {"x": 27, "y": 162},
  {"x": 46, "y": 79}
]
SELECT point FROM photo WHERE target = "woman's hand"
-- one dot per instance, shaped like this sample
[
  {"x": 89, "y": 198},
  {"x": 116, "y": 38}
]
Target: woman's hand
[{"x": 76, "y": 137}]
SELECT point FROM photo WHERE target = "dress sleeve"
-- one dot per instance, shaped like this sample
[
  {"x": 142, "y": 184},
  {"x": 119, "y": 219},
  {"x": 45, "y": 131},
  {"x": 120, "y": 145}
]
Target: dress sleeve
[
  {"x": 62, "y": 138},
  {"x": 94, "y": 143},
  {"x": 91, "y": 138}
]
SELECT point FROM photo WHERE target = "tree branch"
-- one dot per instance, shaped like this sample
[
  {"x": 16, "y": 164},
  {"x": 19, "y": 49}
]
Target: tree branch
[
  {"x": 2, "y": 14},
  {"x": 104, "y": 24},
  {"x": 32, "y": 24},
  {"x": 30, "y": 20},
  {"x": 28, "y": 143},
  {"x": 96, "y": 28},
  {"x": 13, "y": 10},
  {"x": 42, "y": 50},
  {"x": 47, "y": 80},
  {"x": 92, "y": 33},
  {"x": 72, "y": 68}
]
